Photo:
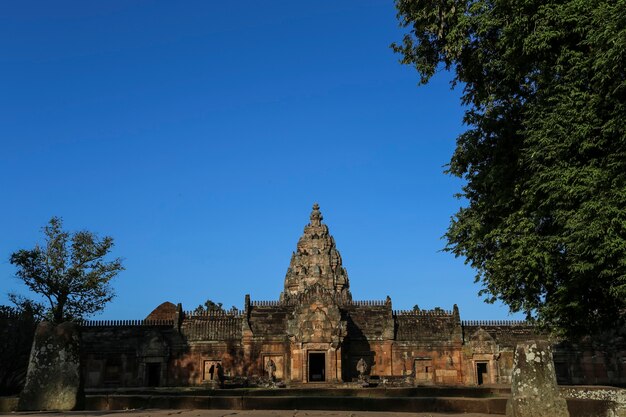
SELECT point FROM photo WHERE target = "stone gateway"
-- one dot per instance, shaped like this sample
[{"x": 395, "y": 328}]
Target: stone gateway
[{"x": 314, "y": 333}]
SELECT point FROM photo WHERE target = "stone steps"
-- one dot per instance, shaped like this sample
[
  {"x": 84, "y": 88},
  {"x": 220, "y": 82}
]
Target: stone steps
[
  {"x": 451, "y": 405},
  {"x": 307, "y": 390},
  {"x": 495, "y": 405}
]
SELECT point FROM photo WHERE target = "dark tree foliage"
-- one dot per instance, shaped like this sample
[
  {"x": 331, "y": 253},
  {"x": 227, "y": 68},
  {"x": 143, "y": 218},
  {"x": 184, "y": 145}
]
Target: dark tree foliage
[
  {"x": 544, "y": 156},
  {"x": 208, "y": 306},
  {"x": 17, "y": 328},
  {"x": 68, "y": 271}
]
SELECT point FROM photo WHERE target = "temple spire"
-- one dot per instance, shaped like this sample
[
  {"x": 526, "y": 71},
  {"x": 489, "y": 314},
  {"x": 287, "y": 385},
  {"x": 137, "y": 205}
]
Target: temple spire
[
  {"x": 316, "y": 261},
  {"x": 316, "y": 215}
]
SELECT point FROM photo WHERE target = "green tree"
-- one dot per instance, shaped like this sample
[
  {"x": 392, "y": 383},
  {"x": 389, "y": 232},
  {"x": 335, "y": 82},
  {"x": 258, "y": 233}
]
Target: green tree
[
  {"x": 68, "y": 271},
  {"x": 17, "y": 327},
  {"x": 208, "y": 306},
  {"x": 544, "y": 155}
]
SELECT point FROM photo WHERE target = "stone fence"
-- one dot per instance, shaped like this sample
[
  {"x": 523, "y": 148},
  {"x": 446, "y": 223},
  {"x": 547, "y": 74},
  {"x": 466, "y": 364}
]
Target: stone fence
[
  {"x": 422, "y": 312},
  {"x": 10, "y": 315},
  {"x": 496, "y": 323},
  {"x": 119, "y": 323},
  {"x": 266, "y": 303},
  {"x": 294, "y": 301},
  {"x": 213, "y": 313},
  {"x": 239, "y": 313},
  {"x": 219, "y": 329},
  {"x": 368, "y": 302}
]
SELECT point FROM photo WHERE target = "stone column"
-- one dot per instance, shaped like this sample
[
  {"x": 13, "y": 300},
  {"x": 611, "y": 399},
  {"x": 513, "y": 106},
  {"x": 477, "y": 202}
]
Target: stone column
[
  {"x": 53, "y": 381},
  {"x": 296, "y": 363},
  {"x": 338, "y": 364},
  {"x": 534, "y": 392}
]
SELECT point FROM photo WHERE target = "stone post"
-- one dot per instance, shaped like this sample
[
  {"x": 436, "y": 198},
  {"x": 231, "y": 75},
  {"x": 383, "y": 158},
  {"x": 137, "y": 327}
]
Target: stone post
[
  {"x": 534, "y": 392},
  {"x": 53, "y": 381}
]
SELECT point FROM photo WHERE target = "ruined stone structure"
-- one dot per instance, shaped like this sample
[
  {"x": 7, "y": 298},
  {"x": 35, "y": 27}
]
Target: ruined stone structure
[{"x": 315, "y": 333}]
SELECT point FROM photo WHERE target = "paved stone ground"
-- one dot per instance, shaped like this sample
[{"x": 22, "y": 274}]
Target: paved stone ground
[{"x": 237, "y": 413}]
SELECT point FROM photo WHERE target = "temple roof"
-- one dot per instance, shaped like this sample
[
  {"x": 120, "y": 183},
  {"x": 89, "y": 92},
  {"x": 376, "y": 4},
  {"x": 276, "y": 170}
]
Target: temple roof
[{"x": 316, "y": 261}]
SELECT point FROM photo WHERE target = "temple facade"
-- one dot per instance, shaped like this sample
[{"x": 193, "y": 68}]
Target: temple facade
[{"x": 315, "y": 333}]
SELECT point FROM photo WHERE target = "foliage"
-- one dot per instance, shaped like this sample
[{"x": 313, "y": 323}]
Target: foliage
[
  {"x": 208, "y": 306},
  {"x": 69, "y": 272},
  {"x": 17, "y": 328},
  {"x": 544, "y": 156},
  {"x": 23, "y": 307}
]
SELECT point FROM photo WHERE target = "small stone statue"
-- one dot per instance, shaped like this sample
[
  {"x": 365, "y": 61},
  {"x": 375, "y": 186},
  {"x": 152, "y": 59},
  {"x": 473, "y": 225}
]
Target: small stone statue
[
  {"x": 361, "y": 367},
  {"x": 270, "y": 367},
  {"x": 220, "y": 374}
]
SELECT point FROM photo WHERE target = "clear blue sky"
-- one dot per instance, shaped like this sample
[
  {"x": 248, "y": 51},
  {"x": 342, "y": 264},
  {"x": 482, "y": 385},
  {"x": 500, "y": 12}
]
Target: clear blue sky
[{"x": 198, "y": 134}]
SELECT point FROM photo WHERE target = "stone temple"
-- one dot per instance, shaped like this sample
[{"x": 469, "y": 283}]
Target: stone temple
[{"x": 315, "y": 333}]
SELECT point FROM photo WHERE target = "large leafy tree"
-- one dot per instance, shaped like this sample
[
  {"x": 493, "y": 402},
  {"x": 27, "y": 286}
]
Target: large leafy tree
[
  {"x": 544, "y": 155},
  {"x": 69, "y": 271}
]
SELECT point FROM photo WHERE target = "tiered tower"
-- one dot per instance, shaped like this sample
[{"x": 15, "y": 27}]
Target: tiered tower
[{"x": 316, "y": 262}]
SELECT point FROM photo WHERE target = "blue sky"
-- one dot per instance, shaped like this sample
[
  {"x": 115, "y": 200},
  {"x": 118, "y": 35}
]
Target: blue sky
[{"x": 198, "y": 134}]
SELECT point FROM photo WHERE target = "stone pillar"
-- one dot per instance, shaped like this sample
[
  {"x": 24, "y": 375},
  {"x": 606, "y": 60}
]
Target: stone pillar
[
  {"x": 334, "y": 365},
  {"x": 534, "y": 392},
  {"x": 338, "y": 354},
  {"x": 53, "y": 381},
  {"x": 246, "y": 338},
  {"x": 296, "y": 364}
]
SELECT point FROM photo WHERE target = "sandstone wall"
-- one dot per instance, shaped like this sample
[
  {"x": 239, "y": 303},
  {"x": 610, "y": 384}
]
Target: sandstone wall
[{"x": 428, "y": 349}]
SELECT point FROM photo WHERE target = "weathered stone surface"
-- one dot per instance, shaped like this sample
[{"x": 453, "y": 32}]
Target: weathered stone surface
[
  {"x": 534, "y": 392},
  {"x": 165, "y": 311},
  {"x": 53, "y": 381},
  {"x": 614, "y": 398},
  {"x": 316, "y": 261}
]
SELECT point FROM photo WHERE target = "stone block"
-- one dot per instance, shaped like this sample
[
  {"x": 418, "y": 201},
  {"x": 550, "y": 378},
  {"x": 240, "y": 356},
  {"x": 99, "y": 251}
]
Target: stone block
[
  {"x": 96, "y": 402},
  {"x": 8, "y": 404}
]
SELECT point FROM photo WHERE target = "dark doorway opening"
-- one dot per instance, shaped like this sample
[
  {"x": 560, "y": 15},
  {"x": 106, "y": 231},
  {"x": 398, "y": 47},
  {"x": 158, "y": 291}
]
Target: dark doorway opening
[
  {"x": 481, "y": 373},
  {"x": 562, "y": 372},
  {"x": 153, "y": 374},
  {"x": 112, "y": 372},
  {"x": 317, "y": 367}
]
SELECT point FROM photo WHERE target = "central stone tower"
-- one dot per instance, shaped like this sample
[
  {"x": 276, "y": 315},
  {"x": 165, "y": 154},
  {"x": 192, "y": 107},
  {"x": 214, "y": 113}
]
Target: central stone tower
[
  {"x": 316, "y": 262},
  {"x": 316, "y": 287}
]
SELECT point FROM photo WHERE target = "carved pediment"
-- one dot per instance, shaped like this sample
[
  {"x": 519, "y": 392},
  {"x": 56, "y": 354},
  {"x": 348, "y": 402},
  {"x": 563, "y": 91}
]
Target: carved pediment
[
  {"x": 316, "y": 318},
  {"x": 482, "y": 342},
  {"x": 316, "y": 293},
  {"x": 154, "y": 345},
  {"x": 316, "y": 327}
]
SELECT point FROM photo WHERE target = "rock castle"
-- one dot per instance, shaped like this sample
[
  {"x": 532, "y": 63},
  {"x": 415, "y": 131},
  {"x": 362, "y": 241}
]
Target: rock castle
[{"x": 315, "y": 333}]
